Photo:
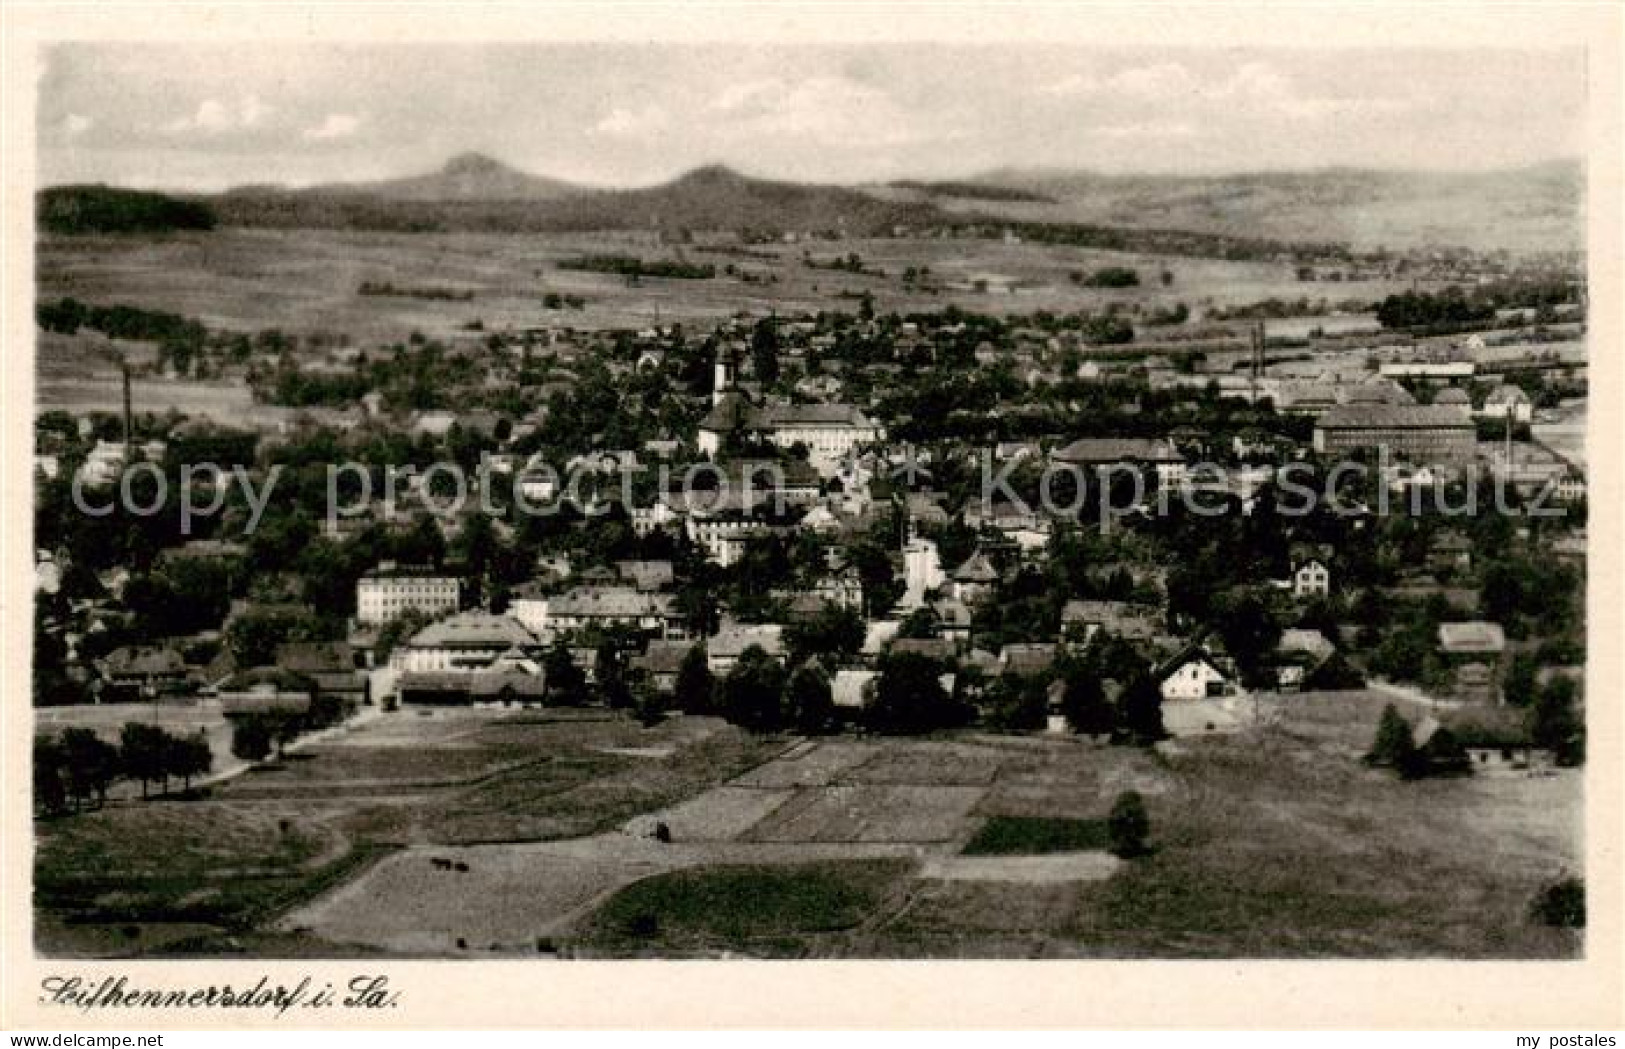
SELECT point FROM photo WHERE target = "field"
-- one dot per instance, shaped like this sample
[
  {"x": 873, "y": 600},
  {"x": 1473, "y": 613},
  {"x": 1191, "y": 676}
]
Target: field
[
  {"x": 309, "y": 280},
  {"x": 173, "y": 875},
  {"x": 1273, "y": 841}
]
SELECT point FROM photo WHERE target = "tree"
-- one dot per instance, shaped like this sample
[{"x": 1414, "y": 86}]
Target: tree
[
  {"x": 833, "y": 631},
  {"x": 909, "y": 697},
  {"x": 753, "y": 692},
  {"x": 610, "y": 672},
  {"x": 50, "y": 776},
  {"x": 1018, "y": 704},
  {"x": 1129, "y": 825},
  {"x": 649, "y": 706},
  {"x": 1553, "y": 723},
  {"x": 1139, "y": 712},
  {"x": 251, "y": 738},
  {"x": 1250, "y": 634},
  {"x": 92, "y": 765},
  {"x": 566, "y": 683},
  {"x": 809, "y": 704},
  {"x": 142, "y": 753},
  {"x": 1083, "y": 702},
  {"x": 693, "y": 690},
  {"x": 764, "y": 349},
  {"x": 1443, "y": 752},
  {"x": 285, "y": 728},
  {"x": 1561, "y": 904},
  {"x": 190, "y": 756},
  {"x": 1394, "y": 747}
]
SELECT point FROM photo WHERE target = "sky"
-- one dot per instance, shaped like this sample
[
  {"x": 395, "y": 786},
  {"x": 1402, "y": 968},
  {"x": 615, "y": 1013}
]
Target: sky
[{"x": 624, "y": 114}]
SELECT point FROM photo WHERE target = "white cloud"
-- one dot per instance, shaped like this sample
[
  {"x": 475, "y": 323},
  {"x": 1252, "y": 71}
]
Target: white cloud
[
  {"x": 75, "y": 124},
  {"x": 335, "y": 125},
  {"x": 214, "y": 117},
  {"x": 622, "y": 122},
  {"x": 1160, "y": 129},
  {"x": 1275, "y": 94},
  {"x": 1073, "y": 85},
  {"x": 1160, "y": 80},
  {"x": 252, "y": 111},
  {"x": 829, "y": 110}
]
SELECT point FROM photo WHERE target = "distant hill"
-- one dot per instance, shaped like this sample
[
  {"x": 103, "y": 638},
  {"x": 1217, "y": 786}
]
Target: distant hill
[
  {"x": 468, "y": 176},
  {"x": 467, "y": 196},
  {"x": 969, "y": 191},
  {"x": 1538, "y": 208},
  {"x": 1531, "y": 209},
  {"x": 103, "y": 209}
]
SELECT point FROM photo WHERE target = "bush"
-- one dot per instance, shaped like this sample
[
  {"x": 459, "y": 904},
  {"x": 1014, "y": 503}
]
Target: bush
[
  {"x": 251, "y": 739},
  {"x": 1561, "y": 904},
  {"x": 1129, "y": 825},
  {"x": 1394, "y": 746}
]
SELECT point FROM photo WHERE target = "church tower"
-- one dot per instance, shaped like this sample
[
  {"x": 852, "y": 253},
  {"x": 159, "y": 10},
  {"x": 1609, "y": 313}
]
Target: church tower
[{"x": 722, "y": 377}]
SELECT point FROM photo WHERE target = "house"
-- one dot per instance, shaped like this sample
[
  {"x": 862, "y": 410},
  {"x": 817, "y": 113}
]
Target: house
[
  {"x": 1508, "y": 402},
  {"x": 841, "y": 586},
  {"x": 1102, "y": 455},
  {"x": 1473, "y": 638},
  {"x": 1018, "y": 522},
  {"x": 1450, "y": 549},
  {"x": 466, "y": 642},
  {"x": 331, "y": 668},
  {"x": 391, "y": 590},
  {"x": 1473, "y": 651},
  {"x": 1311, "y": 579},
  {"x": 1081, "y": 620},
  {"x": 1433, "y": 434},
  {"x": 214, "y": 551},
  {"x": 661, "y": 662},
  {"x": 938, "y": 648},
  {"x": 922, "y": 571},
  {"x": 953, "y": 620},
  {"x": 603, "y": 607},
  {"x": 1455, "y": 397},
  {"x": 724, "y": 650},
  {"x": 1192, "y": 674},
  {"x": 137, "y": 673},
  {"x": 434, "y": 423},
  {"x": 1027, "y": 659},
  {"x": 507, "y": 685},
  {"x": 828, "y": 431},
  {"x": 1297, "y": 654},
  {"x": 103, "y": 464},
  {"x": 974, "y": 581},
  {"x": 433, "y": 687},
  {"x": 852, "y": 689},
  {"x": 262, "y": 691},
  {"x": 647, "y": 575}
]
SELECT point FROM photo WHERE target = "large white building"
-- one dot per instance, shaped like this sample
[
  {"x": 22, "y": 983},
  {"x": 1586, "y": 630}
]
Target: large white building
[
  {"x": 584, "y": 607},
  {"x": 829, "y": 432},
  {"x": 467, "y": 642},
  {"x": 390, "y": 591}
]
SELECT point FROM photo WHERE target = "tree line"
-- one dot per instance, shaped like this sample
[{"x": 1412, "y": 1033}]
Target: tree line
[{"x": 78, "y": 767}]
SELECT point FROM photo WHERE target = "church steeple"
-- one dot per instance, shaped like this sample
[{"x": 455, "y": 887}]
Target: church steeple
[{"x": 724, "y": 373}]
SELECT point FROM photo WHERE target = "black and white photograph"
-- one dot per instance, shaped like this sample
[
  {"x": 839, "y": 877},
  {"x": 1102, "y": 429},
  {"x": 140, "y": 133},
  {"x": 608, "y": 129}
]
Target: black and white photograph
[{"x": 565, "y": 500}]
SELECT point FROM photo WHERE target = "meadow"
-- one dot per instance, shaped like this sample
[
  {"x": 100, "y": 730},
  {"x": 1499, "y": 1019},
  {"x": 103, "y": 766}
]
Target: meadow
[
  {"x": 526, "y": 833},
  {"x": 311, "y": 280}
]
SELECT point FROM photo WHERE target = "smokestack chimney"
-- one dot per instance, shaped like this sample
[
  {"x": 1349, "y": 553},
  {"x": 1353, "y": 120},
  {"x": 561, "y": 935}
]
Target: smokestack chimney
[{"x": 129, "y": 431}]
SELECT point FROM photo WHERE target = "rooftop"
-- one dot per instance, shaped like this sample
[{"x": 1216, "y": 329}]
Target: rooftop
[
  {"x": 474, "y": 630},
  {"x": 1477, "y": 636},
  {"x": 1392, "y": 417},
  {"x": 1120, "y": 450}
]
